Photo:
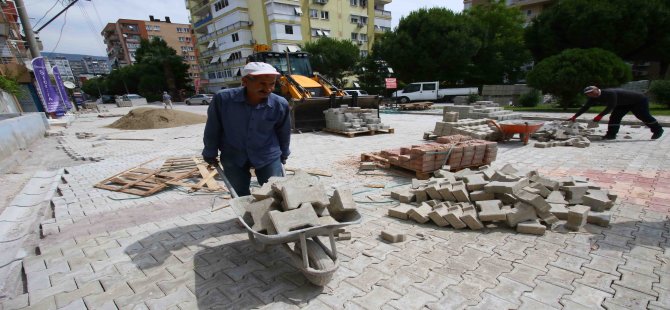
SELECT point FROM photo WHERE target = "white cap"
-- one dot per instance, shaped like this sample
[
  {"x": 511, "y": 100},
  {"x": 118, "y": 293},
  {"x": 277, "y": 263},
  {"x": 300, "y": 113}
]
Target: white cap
[
  {"x": 589, "y": 89},
  {"x": 259, "y": 68}
]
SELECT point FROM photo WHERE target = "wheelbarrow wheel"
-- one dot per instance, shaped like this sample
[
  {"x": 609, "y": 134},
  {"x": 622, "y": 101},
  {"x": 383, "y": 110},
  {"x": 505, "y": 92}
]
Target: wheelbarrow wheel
[{"x": 318, "y": 260}]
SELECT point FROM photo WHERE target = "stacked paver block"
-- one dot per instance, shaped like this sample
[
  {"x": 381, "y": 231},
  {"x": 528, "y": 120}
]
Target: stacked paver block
[
  {"x": 528, "y": 202},
  {"x": 476, "y": 128},
  {"x": 295, "y": 202},
  {"x": 353, "y": 119},
  {"x": 482, "y": 110}
]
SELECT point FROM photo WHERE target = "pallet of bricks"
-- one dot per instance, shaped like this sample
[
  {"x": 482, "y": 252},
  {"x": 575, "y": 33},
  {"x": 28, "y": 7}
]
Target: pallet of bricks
[
  {"x": 452, "y": 125},
  {"x": 456, "y": 151},
  {"x": 354, "y": 120},
  {"x": 504, "y": 197}
]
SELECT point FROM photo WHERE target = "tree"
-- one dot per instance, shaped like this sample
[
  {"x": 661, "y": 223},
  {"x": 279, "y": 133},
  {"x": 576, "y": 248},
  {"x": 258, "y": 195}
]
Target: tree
[
  {"x": 634, "y": 30},
  {"x": 332, "y": 57},
  {"x": 94, "y": 87},
  {"x": 431, "y": 44},
  {"x": 167, "y": 70},
  {"x": 503, "y": 51},
  {"x": 567, "y": 73}
]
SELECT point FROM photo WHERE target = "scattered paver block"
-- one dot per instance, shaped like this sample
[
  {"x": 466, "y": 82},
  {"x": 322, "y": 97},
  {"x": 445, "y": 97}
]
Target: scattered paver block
[
  {"x": 259, "y": 213},
  {"x": 534, "y": 200},
  {"x": 520, "y": 213},
  {"x": 367, "y": 165},
  {"x": 509, "y": 169},
  {"x": 420, "y": 214},
  {"x": 299, "y": 218},
  {"x": 507, "y": 199},
  {"x": 498, "y": 187},
  {"x": 416, "y": 183},
  {"x": 264, "y": 191},
  {"x": 475, "y": 182},
  {"x": 599, "y": 218},
  {"x": 470, "y": 218},
  {"x": 342, "y": 201},
  {"x": 548, "y": 183},
  {"x": 294, "y": 195},
  {"x": 419, "y": 195},
  {"x": 437, "y": 215},
  {"x": 481, "y": 195},
  {"x": 490, "y": 211},
  {"x": 403, "y": 195},
  {"x": 392, "y": 236},
  {"x": 327, "y": 220},
  {"x": 445, "y": 192},
  {"x": 464, "y": 172},
  {"x": 597, "y": 200},
  {"x": 559, "y": 210},
  {"x": 556, "y": 197},
  {"x": 503, "y": 177},
  {"x": 531, "y": 227},
  {"x": 544, "y": 191},
  {"x": 432, "y": 193},
  {"x": 400, "y": 211},
  {"x": 547, "y": 217},
  {"x": 343, "y": 236},
  {"x": 454, "y": 216},
  {"x": 574, "y": 194},
  {"x": 577, "y": 217},
  {"x": 460, "y": 193}
]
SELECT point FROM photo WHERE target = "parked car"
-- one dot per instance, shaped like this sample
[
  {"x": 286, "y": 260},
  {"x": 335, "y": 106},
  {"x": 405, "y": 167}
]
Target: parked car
[
  {"x": 132, "y": 96},
  {"x": 359, "y": 92},
  {"x": 108, "y": 99},
  {"x": 199, "y": 99},
  {"x": 430, "y": 91}
]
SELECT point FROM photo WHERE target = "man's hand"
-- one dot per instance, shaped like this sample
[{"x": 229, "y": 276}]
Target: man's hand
[
  {"x": 212, "y": 161},
  {"x": 572, "y": 119},
  {"x": 597, "y": 118},
  {"x": 283, "y": 161}
]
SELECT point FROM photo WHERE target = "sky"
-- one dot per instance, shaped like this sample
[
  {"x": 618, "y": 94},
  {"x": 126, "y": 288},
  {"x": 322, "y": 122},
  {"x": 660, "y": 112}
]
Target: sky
[{"x": 82, "y": 23}]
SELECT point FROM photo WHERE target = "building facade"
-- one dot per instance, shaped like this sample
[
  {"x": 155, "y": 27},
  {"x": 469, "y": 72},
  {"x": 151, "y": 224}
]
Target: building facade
[
  {"x": 73, "y": 66},
  {"x": 227, "y": 31},
  {"x": 123, "y": 39},
  {"x": 529, "y": 8}
]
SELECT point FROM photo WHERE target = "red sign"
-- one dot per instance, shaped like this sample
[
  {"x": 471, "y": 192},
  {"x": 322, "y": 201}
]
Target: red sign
[{"x": 391, "y": 83}]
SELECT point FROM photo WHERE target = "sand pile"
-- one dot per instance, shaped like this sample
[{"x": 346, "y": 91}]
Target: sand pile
[{"x": 153, "y": 118}]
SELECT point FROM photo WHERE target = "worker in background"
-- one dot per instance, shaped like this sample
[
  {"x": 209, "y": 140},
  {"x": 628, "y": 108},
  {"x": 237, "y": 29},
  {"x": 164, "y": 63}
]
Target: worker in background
[
  {"x": 251, "y": 127},
  {"x": 167, "y": 100},
  {"x": 619, "y": 102}
]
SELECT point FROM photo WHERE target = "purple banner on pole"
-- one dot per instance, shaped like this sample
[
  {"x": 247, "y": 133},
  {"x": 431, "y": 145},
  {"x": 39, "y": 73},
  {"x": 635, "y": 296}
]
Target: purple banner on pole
[
  {"x": 62, "y": 92},
  {"x": 44, "y": 83}
]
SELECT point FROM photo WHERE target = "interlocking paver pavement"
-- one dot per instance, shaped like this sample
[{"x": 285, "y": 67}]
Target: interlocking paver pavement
[{"x": 104, "y": 249}]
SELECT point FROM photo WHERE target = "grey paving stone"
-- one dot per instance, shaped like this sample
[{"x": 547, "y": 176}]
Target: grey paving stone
[
  {"x": 570, "y": 263},
  {"x": 490, "y": 301},
  {"x": 509, "y": 290},
  {"x": 598, "y": 280},
  {"x": 636, "y": 281},
  {"x": 376, "y": 299},
  {"x": 560, "y": 277},
  {"x": 628, "y": 299},
  {"x": 586, "y": 296},
  {"x": 532, "y": 304}
]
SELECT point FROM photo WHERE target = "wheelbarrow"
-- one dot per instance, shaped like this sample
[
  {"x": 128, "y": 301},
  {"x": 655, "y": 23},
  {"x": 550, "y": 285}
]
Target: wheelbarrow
[
  {"x": 314, "y": 259},
  {"x": 509, "y": 128}
]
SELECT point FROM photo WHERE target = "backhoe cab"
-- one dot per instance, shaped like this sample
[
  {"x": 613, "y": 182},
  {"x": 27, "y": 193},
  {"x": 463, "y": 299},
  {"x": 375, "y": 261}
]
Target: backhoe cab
[{"x": 308, "y": 94}]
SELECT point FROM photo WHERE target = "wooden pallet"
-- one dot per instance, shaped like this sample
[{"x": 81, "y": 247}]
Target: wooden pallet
[
  {"x": 202, "y": 177},
  {"x": 138, "y": 181},
  {"x": 415, "y": 106},
  {"x": 181, "y": 164},
  {"x": 352, "y": 134}
]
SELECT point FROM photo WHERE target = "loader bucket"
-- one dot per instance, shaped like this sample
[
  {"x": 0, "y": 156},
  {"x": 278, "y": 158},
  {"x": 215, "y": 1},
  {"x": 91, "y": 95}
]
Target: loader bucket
[{"x": 307, "y": 114}]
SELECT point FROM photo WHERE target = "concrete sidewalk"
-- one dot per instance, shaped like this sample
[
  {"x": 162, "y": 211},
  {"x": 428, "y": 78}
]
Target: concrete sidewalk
[{"x": 103, "y": 249}]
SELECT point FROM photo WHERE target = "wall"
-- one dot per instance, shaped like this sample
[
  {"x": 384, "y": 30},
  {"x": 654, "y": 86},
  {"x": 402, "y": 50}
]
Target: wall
[{"x": 19, "y": 132}]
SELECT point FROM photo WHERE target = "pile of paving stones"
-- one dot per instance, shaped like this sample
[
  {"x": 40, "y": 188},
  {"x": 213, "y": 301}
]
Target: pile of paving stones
[
  {"x": 285, "y": 204},
  {"x": 351, "y": 119},
  {"x": 84, "y": 135},
  {"x": 557, "y": 133},
  {"x": 482, "y": 110},
  {"x": 528, "y": 202},
  {"x": 456, "y": 151},
  {"x": 452, "y": 125}
]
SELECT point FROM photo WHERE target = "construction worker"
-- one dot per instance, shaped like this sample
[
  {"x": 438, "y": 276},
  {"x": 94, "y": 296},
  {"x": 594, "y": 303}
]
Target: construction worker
[
  {"x": 251, "y": 127},
  {"x": 619, "y": 102},
  {"x": 167, "y": 100}
]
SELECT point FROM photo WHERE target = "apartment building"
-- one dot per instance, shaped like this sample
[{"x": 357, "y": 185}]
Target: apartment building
[
  {"x": 73, "y": 66},
  {"x": 529, "y": 8},
  {"x": 12, "y": 47},
  {"x": 123, "y": 39},
  {"x": 227, "y": 31}
]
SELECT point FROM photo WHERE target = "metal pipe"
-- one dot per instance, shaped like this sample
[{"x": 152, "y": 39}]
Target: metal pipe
[
  {"x": 27, "y": 28},
  {"x": 53, "y": 18}
]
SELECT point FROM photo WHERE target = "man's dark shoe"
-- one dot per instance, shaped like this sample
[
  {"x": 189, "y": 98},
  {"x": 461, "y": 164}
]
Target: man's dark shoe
[
  {"x": 657, "y": 134},
  {"x": 609, "y": 137}
]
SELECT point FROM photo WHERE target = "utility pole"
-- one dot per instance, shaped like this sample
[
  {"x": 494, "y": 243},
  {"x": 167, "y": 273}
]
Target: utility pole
[{"x": 27, "y": 28}]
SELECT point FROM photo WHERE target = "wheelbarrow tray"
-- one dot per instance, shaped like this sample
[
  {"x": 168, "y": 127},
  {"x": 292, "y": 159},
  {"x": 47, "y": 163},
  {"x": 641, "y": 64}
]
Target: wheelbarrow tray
[{"x": 237, "y": 204}]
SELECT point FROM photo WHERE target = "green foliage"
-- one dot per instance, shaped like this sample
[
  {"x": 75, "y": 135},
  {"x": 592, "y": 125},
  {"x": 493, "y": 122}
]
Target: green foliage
[
  {"x": 372, "y": 71},
  {"x": 660, "y": 90},
  {"x": 531, "y": 98},
  {"x": 333, "y": 58},
  {"x": 634, "y": 30},
  {"x": 472, "y": 98},
  {"x": 567, "y": 73},
  {"x": 500, "y": 30},
  {"x": 10, "y": 85}
]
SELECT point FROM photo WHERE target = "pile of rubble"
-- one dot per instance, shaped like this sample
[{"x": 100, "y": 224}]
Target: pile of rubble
[
  {"x": 483, "y": 110},
  {"x": 84, "y": 135},
  {"x": 352, "y": 119},
  {"x": 558, "y": 133},
  {"x": 527, "y": 202},
  {"x": 456, "y": 151},
  {"x": 285, "y": 204},
  {"x": 452, "y": 125}
]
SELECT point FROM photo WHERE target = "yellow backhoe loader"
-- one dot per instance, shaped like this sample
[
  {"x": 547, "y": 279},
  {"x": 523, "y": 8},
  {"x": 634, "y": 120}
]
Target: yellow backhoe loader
[{"x": 308, "y": 94}]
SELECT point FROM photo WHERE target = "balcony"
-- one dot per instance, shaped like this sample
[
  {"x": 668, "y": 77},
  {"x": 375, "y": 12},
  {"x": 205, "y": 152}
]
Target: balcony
[
  {"x": 521, "y": 3},
  {"x": 320, "y": 1},
  {"x": 201, "y": 8},
  {"x": 202, "y": 21},
  {"x": 382, "y": 29},
  {"x": 383, "y": 1},
  {"x": 382, "y": 13},
  {"x": 231, "y": 27}
]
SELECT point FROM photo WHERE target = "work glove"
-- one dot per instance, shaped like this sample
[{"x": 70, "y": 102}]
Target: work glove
[
  {"x": 283, "y": 161},
  {"x": 212, "y": 161},
  {"x": 597, "y": 118},
  {"x": 572, "y": 119}
]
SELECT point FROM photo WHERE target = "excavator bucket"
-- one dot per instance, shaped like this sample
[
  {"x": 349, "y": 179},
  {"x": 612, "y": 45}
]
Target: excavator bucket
[{"x": 307, "y": 114}]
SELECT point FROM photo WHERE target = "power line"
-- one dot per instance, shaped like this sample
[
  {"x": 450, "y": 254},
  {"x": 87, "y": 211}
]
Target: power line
[
  {"x": 89, "y": 21},
  {"x": 45, "y": 14},
  {"x": 98, "y": 15},
  {"x": 61, "y": 32}
]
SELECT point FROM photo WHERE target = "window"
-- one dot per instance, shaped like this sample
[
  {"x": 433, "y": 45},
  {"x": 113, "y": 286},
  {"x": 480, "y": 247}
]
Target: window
[
  {"x": 428, "y": 86},
  {"x": 354, "y": 19},
  {"x": 298, "y": 11},
  {"x": 157, "y": 28},
  {"x": 188, "y": 39},
  {"x": 363, "y": 37},
  {"x": 211, "y": 75},
  {"x": 529, "y": 12},
  {"x": 354, "y": 36},
  {"x": 235, "y": 55},
  {"x": 149, "y": 28},
  {"x": 364, "y": 53},
  {"x": 324, "y": 15},
  {"x": 220, "y": 5},
  {"x": 363, "y": 3},
  {"x": 326, "y": 33},
  {"x": 353, "y": 2},
  {"x": 412, "y": 88},
  {"x": 288, "y": 29},
  {"x": 178, "y": 29},
  {"x": 235, "y": 37},
  {"x": 219, "y": 75},
  {"x": 181, "y": 39},
  {"x": 313, "y": 13}
]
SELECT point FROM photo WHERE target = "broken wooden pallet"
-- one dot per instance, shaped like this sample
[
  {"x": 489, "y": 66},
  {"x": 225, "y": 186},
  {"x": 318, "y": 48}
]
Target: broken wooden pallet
[
  {"x": 352, "y": 134},
  {"x": 201, "y": 177},
  {"x": 138, "y": 181}
]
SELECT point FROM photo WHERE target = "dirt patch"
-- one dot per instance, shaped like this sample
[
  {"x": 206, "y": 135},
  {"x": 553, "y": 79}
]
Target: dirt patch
[{"x": 154, "y": 118}]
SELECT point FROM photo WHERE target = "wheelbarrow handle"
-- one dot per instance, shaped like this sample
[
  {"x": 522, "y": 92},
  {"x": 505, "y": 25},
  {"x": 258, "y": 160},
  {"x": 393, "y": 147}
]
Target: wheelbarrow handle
[{"x": 225, "y": 180}]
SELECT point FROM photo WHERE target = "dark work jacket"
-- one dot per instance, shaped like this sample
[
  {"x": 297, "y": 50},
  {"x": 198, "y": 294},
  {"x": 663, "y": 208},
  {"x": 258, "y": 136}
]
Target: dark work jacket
[
  {"x": 243, "y": 133},
  {"x": 612, "y": 98}
]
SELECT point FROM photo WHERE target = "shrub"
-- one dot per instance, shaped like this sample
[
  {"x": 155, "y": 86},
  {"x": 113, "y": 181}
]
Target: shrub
[
  {"x": 660, "y": 91},
  {"x": 531, "y": 98},
  {"x": 472, "y": 98}
]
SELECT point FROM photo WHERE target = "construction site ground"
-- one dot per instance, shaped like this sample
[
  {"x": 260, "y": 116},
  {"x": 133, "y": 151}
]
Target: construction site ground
[{"x": 109, "y": 250}]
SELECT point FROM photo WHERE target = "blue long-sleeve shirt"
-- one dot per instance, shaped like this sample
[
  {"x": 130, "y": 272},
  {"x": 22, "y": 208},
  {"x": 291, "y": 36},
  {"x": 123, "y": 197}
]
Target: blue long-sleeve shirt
[{"x": 244, "y": 133}]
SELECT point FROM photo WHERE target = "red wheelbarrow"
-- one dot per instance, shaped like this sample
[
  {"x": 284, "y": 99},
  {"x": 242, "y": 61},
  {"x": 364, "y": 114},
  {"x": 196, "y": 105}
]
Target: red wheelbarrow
[{"x": 509, "y": 128}]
